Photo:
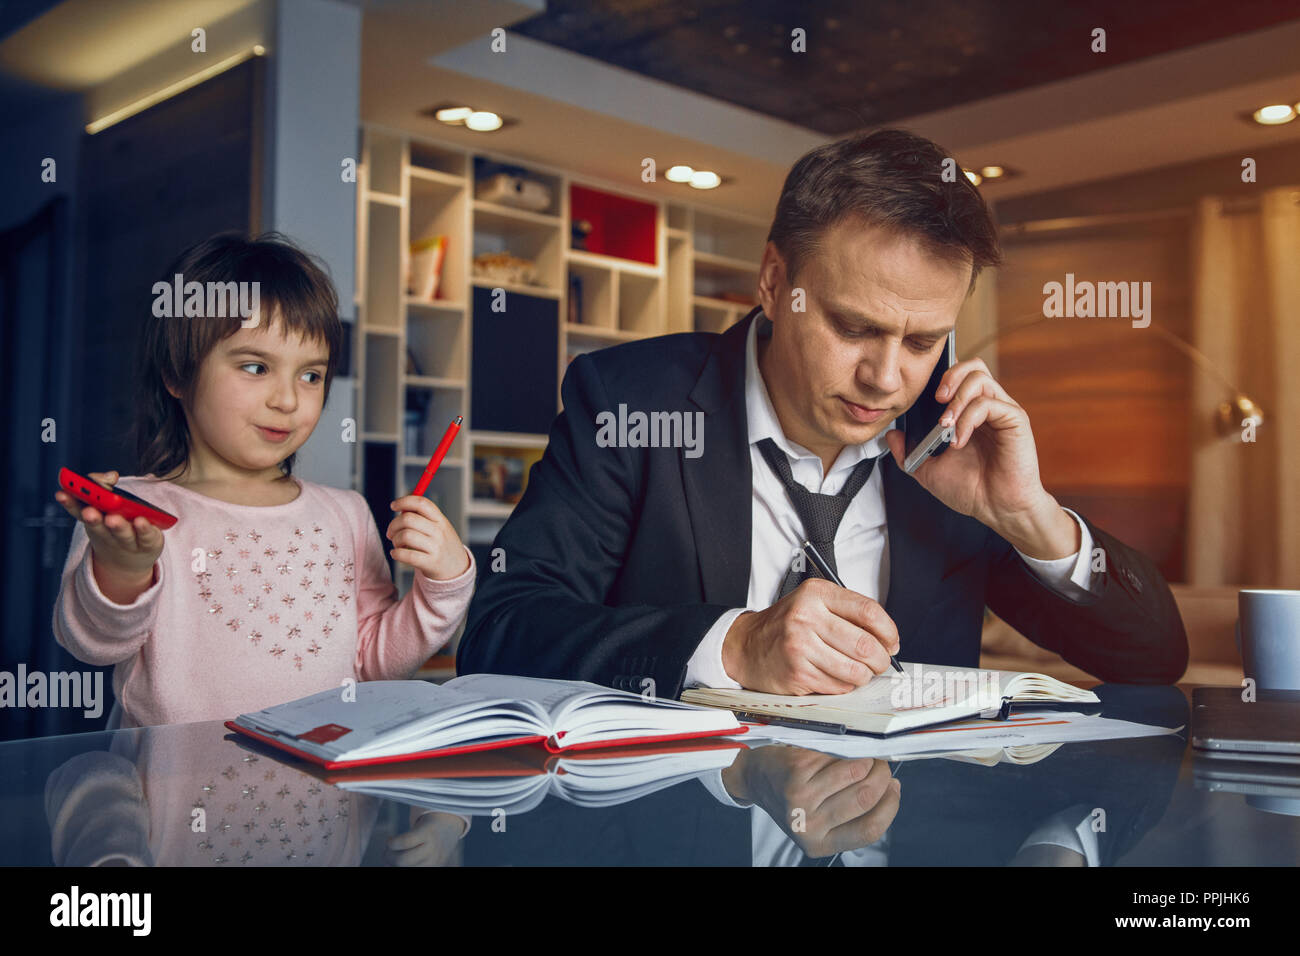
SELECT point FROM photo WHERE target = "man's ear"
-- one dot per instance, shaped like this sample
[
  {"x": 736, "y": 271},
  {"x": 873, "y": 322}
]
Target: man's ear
[{"x": 771, "y": 279}]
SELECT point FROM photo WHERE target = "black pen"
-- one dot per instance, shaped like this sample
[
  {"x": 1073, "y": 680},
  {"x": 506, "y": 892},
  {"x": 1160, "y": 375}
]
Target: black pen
[{"x": 829, "y": 574}]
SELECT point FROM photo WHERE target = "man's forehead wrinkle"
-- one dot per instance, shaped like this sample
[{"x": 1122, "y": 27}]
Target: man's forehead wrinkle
[
  {"x": 885, "y": 258},
  {"x": 888, "y": 289},
  {"x": 865, "y": 282},
  {"x": 885, "y": 312},
  {"x": 907, "y": 306}
]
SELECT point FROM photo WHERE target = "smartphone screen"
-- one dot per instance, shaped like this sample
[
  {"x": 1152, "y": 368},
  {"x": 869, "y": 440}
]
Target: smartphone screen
[{"x": 123, "y": 493}]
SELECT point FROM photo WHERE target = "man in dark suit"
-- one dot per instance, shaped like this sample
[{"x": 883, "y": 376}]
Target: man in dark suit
[{"x": 650, "y": 568}]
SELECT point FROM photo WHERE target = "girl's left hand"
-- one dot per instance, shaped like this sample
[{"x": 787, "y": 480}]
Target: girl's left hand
[{"x": 424, "y": 539}]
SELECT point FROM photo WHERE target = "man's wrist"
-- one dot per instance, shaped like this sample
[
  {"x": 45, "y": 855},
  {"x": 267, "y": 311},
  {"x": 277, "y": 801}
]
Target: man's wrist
[
  {"x": 733, "y": 648},
  {"x": 1045, "y": 532}
]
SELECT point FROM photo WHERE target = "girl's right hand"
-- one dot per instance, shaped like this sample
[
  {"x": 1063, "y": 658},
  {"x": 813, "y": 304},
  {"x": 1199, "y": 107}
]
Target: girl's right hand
[{"x": 124, "y": 549}]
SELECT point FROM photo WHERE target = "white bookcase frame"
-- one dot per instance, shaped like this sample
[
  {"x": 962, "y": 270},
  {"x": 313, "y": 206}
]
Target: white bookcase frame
[{"x": 409, "y": 187}]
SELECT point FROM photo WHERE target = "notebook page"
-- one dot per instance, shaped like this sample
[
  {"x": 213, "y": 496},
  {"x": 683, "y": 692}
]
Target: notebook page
[
  {"x": 885, "y": 695},
  {"x": 551, "y": 694},
  {"x": 586, "y": 712},
  {"x": 389, "y": 717},
  {"x": 1028, "y": 687},
  {"x": 380, "y": 706}
]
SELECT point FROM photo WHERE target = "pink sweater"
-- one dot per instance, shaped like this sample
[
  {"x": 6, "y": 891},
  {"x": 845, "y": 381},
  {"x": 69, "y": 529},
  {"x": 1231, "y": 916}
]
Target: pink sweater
[{"x": 254, "y": 606}]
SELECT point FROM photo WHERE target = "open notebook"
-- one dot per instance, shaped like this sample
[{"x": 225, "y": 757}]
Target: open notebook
[
  {"x": 924, "y": 694},
  {"x": 408, "y": 720}
]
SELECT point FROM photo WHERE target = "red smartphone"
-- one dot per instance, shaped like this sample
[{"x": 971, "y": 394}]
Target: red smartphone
[{"x": 114, "y": 501}]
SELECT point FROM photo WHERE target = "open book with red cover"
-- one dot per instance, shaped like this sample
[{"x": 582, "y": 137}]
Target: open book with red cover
[{"x": 376, "y": 722}]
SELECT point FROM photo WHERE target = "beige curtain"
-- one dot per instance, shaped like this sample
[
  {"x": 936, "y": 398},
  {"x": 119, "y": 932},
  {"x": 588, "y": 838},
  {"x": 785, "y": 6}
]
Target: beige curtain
[{"x": 1244, "y": 503}]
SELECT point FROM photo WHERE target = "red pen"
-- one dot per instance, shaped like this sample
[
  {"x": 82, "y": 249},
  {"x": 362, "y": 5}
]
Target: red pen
[{"x": 439, "y": 454}]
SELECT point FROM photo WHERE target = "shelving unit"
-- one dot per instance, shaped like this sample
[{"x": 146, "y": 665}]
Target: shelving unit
[{"x": 676, "y": 263}]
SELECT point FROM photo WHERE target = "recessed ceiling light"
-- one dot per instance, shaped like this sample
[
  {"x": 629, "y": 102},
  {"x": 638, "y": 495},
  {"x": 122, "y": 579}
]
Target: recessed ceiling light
[
  {"x": 1274, "y": 115},
  {"x": 973, "y": 176},
  {"x": 483, "y": 121},
  {"x": 453, "y": 114},
  {"x": 679, "y": 174},
  {"x": 991, "y": 172},
  {"x": 705, "y": 179}
]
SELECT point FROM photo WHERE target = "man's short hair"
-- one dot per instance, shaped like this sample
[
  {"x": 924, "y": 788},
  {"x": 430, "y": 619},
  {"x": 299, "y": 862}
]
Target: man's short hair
[{"x": 890, "y": 178}]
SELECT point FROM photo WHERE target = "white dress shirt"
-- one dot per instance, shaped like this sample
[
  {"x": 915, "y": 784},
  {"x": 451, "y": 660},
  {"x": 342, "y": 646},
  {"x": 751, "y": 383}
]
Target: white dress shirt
[{"x": 861, "y": 558}]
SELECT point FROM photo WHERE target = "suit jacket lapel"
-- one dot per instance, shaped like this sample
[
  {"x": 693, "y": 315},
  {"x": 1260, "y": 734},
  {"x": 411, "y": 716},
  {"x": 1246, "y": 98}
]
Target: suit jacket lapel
[
  {"x": 917, "y": 544},
  {"x": 718, "y": 483}
]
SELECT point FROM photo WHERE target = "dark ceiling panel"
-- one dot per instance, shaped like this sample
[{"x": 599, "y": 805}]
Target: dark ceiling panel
[
  {"x": 16, "y": 14},
  {"x": 870, "y": 63}
]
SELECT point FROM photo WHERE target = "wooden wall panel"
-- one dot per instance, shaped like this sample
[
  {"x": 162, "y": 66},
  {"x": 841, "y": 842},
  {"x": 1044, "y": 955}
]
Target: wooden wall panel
[{"x": 1108, "y": 402}]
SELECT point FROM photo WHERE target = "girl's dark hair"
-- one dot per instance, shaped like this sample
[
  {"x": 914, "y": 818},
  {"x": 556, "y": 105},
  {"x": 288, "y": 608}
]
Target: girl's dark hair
[
  {"x": 890, "y": 178},
  {"x": 292, "y": 288}
]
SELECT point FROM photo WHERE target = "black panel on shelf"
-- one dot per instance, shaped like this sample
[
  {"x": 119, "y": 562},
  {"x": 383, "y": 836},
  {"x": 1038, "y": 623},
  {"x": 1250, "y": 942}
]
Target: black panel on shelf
[
  {"x": 515, "y": 363},
  {"x": 344, "y": 367},
  {"x": 381, "y": 479}
]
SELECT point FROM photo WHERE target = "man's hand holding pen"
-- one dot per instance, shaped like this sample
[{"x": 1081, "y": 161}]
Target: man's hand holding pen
[{"x": 818, "y": 639}]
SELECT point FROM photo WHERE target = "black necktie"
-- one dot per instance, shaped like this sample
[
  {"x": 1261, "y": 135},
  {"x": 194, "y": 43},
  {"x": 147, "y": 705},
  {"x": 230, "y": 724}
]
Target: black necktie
[{"x": 821, "y": 514}]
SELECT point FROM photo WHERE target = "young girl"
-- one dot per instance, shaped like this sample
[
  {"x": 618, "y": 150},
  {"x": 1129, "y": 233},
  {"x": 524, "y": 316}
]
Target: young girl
[{"x": 268, "y": 588}]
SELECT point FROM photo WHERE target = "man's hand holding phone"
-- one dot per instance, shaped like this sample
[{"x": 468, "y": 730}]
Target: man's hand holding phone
[
  {"x": 123, "y": 551},
  {"x": 991, "y": 470},
  {"x": 818, "y": 639},
  {"x": 992, "y": 467}
]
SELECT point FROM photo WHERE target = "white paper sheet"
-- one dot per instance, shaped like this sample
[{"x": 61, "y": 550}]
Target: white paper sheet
[{"x": 1039, "y": 727}]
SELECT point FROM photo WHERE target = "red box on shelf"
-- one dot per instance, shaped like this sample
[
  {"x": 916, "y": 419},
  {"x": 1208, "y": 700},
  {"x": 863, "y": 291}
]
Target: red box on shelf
[{"x": 621, "y": 227}]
